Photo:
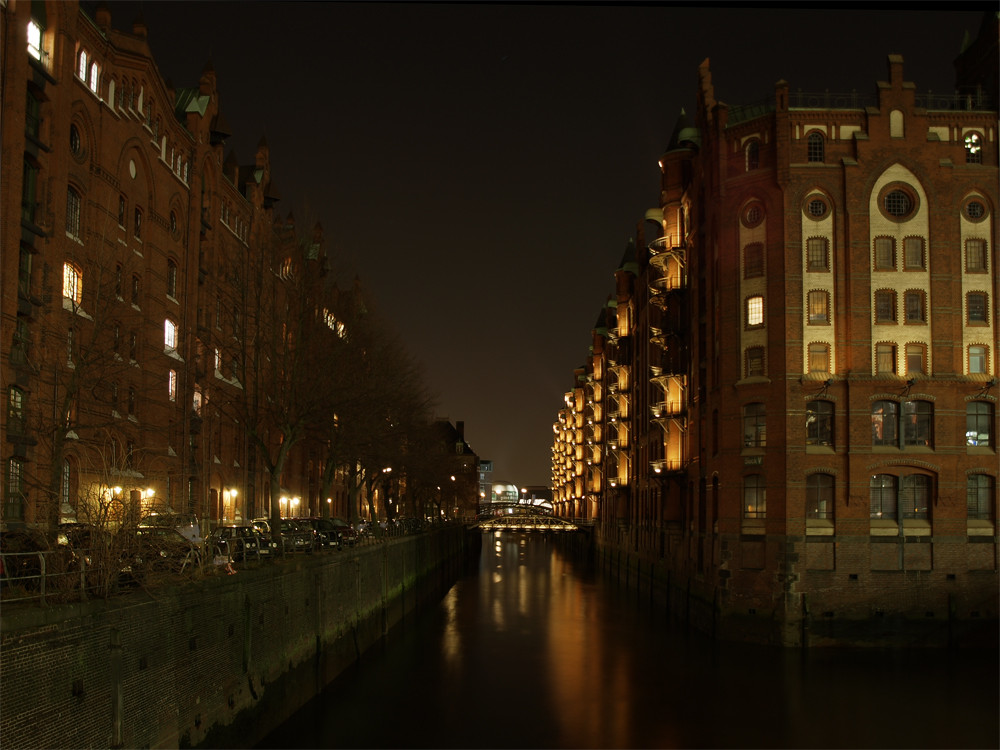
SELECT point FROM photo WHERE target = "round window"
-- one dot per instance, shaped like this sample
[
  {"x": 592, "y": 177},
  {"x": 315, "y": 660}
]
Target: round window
[
  {"x": 817, "y": 208},
  {"x": 975, "y": 210},
  {"x": 897, "y": 202},
  {"x": 753, "y": 214}
]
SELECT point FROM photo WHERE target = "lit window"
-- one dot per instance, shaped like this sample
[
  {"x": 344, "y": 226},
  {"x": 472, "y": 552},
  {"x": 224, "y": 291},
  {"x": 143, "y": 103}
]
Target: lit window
[
  {"x": 81, "y": 70},
  {"x": 980, "y": 495},
  {"x": 815, "y": 147},
  {"x": 170, "y": 334},
  {"x": 172, "y": 385},
  {"x": 916, "y": 359},
  {"x": 72, "y": 213},
  {"x": 754, "y": 426},
  {"x": 819, "y": 308},
  {"x": 975, "y": 256},
  {"x": 755, "y": 311},
  {"x": 93, "y": 77},
  {"x": 819, "y": 496},
  {"x": 819, "y": 423},
  {"x": 15, "y": 411},
  {"x": 819, "y": 357},
  {"x": 817, "y": 254},
  {"x": 973, "y": 149},
  {"x": 34, "y": 39},
  {"x": 754, "y": 497},
  {"x": 218, "y": 361},
  {"x": 882, "y": 497},
  {"x": 979, "y": 424},
  {"x": 977, "y": 308},
  {"x": 72, "y": 283}
]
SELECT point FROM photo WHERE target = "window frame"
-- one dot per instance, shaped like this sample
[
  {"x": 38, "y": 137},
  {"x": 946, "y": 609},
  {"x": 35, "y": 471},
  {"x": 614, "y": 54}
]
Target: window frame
[
  {"x": 754, "y": 310},
  {"x": 755, "y": 355},
  {"x": 881, "y": 246},
  {"x": 980, "y": 497},
  {"x": 978, "y": 353},
  {"x": 908, "y": 243},
  {"x": 980, "y": 255},
  {"x": 170, "y": 335},
  {"x": 72, "y": 283},
  {"x": 981, "y": 307},
  {"x": 816, "y": 246},
  {"x": 886, "y": 422},
  {"x": 754, "y": 496},
  {"x": 914, "y": 307},
  {"x": 883, "y": 497},
  {"x": 973, "y": 144},
  {"x": 754, "y": 416},
  {"x": 815, "y": 147},
  {"x": 979, "y": 419},
  {"x": 74, "y": 207},
  {"x": 820, "y": 496},
  {"x": 820, "y": 415},
  {"x": 816, "y": 299},
  {"x": 754, "y": 252},
  {"x": 916, "y": 350},
  {"x": 818, "y": 349},
  {"x": 916, "y": 493}
]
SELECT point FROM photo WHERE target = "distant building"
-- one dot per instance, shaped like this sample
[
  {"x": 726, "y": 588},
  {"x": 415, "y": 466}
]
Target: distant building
[{"x": 788, "y": 419}]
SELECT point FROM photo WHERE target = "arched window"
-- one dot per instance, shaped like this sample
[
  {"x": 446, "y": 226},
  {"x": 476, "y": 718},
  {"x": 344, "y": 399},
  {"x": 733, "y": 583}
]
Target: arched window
[
  {"x": 973, "y": 149},
  {"x": 816, "y": 147},
  {"x": 171, "y": 275},
  {"x": 754, "y": 497},
  {"x": 819, "y": 423},
  {"x": 979, "y": 424},
  {"x": 169, "y": 335},
  {"x": 918, "y": 424},
  {"x": 885, "y": 415},
  {"x": 819, "y": 496},
  {"x": 72, "y": 283},
  {"x": 754, "y": 426},
  {"x": 915, "y": 496},
  {"x": 980, "y": 492},
  {"x": 753, "y": 155},
  {"x": 72, "y": 213},
  {"x": 882, "y": 497}
]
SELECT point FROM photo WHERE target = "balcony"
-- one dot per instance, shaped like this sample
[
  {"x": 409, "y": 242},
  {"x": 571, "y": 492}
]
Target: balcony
[
  {"x": 672, "y": 423},
  {"x": 669, "y": 408},
  {"x": 666, "y": 466}
]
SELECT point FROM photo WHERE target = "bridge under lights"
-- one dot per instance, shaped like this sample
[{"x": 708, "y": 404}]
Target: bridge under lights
[{"x": 525, "y": 522}]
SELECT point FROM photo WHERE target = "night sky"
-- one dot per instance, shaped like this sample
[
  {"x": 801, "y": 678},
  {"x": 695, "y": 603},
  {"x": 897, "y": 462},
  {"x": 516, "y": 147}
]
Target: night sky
[{"x": 481, "y": 167}]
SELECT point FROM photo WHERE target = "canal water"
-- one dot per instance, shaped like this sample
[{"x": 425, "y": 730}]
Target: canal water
[{"x": 533, "y": 649}]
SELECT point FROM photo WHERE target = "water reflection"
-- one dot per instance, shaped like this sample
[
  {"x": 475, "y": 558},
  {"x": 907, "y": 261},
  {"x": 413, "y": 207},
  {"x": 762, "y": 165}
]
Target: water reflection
[{"x": 533, "y": 651}]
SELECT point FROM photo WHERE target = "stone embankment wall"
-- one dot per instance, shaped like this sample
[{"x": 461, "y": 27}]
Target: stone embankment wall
[{"x": 216, "y": 662}]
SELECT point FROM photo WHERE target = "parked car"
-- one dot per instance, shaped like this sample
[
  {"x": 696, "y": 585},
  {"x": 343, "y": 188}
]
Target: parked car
[
  {"x": 159, "y": 549},
  {"x": 300, "y": 538},
  {"x": 238, "y": 543},
  {"x": 348, "y": 534},
  {"x": 185, "y": 523},
  {"x": 327, "y": 533},
  {"x": 267, "y": 545}
]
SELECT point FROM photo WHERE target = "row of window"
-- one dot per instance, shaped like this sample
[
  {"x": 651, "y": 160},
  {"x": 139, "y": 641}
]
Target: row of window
[
  {"x": 816, "y": 150},
  {"x": 73, "y": 283},
  {"x": 893, "y": 424},
  {"x": 891, "y": 497},
  {"x": 886, "y": 359}
]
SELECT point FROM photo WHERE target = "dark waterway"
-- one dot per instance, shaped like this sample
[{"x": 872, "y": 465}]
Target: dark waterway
[{"x": 534, "y": 650}]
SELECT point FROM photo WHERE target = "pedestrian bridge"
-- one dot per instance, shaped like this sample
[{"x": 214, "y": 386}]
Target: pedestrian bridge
[{"x": 525, "y": 522}]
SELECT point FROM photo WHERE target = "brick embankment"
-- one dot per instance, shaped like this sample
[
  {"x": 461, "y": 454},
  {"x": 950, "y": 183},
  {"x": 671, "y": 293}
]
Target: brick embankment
[{"x": 213, "y": 663}]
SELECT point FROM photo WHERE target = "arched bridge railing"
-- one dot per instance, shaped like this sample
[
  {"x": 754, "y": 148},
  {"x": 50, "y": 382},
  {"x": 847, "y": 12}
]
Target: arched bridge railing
[{"x": 526, "y": 522}]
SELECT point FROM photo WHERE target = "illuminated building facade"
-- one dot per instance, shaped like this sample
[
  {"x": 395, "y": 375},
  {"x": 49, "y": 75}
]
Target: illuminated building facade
[
  {"x": 803, "y": 356},
  {"x": 128, "y": 241}
]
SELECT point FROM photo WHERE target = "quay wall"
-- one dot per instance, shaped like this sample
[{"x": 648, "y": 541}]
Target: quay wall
[{"x": 218, "y": 662}]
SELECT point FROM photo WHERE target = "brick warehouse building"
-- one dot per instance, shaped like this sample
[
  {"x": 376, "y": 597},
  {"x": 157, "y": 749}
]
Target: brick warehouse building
[
  {"x": 788, "y": 419},
  {"x": 140, "y": 261}
]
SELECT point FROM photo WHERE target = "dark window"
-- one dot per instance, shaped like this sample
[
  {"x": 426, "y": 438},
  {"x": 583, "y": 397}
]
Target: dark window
[
  {"x": 885, "y": 306},
  {"x": 980, "y": 492},
  {"x": 75, "y": 143},
  {"x": 978, "y": 359},
  {"x": 975, "y": 256},
  {"x": 898, "y": 203},
  {"x": 885, "y": 415},
  {"x": 754, "y": 426},
  {"x": 913, "y": 302},
  {"x": 122, "y": 205},
  {"x": 977, "y": 308},
  {"x": 913, "y": 253},
  {"x": 915, "y": 496},
  {"x": 819, "y": 423},
  {"x": 72, "y": 213},
  {"x": 916, "y": 359},
  {"x": 918, "y": 424},
  {"x": 816, "y": 147},
  {"x": 885, "y": 254},
  {"x": 136, "y": 289},
  {"x": 819, "y": 496},
  {"x": 138, "y": 223},
  {"x": 753, "y": 155},
  {"x": 817, "y": 254},
  {"x": 979, "y": 424},
  {"x": 882, "y": 497},
  {"x": 755, "y": 361},
  {"x": 753, "y": 260},
  {"x": 171, "y": 278}
]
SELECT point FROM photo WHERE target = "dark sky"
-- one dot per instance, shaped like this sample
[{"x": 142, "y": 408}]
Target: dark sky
[{"x": 481, "y": 167}]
